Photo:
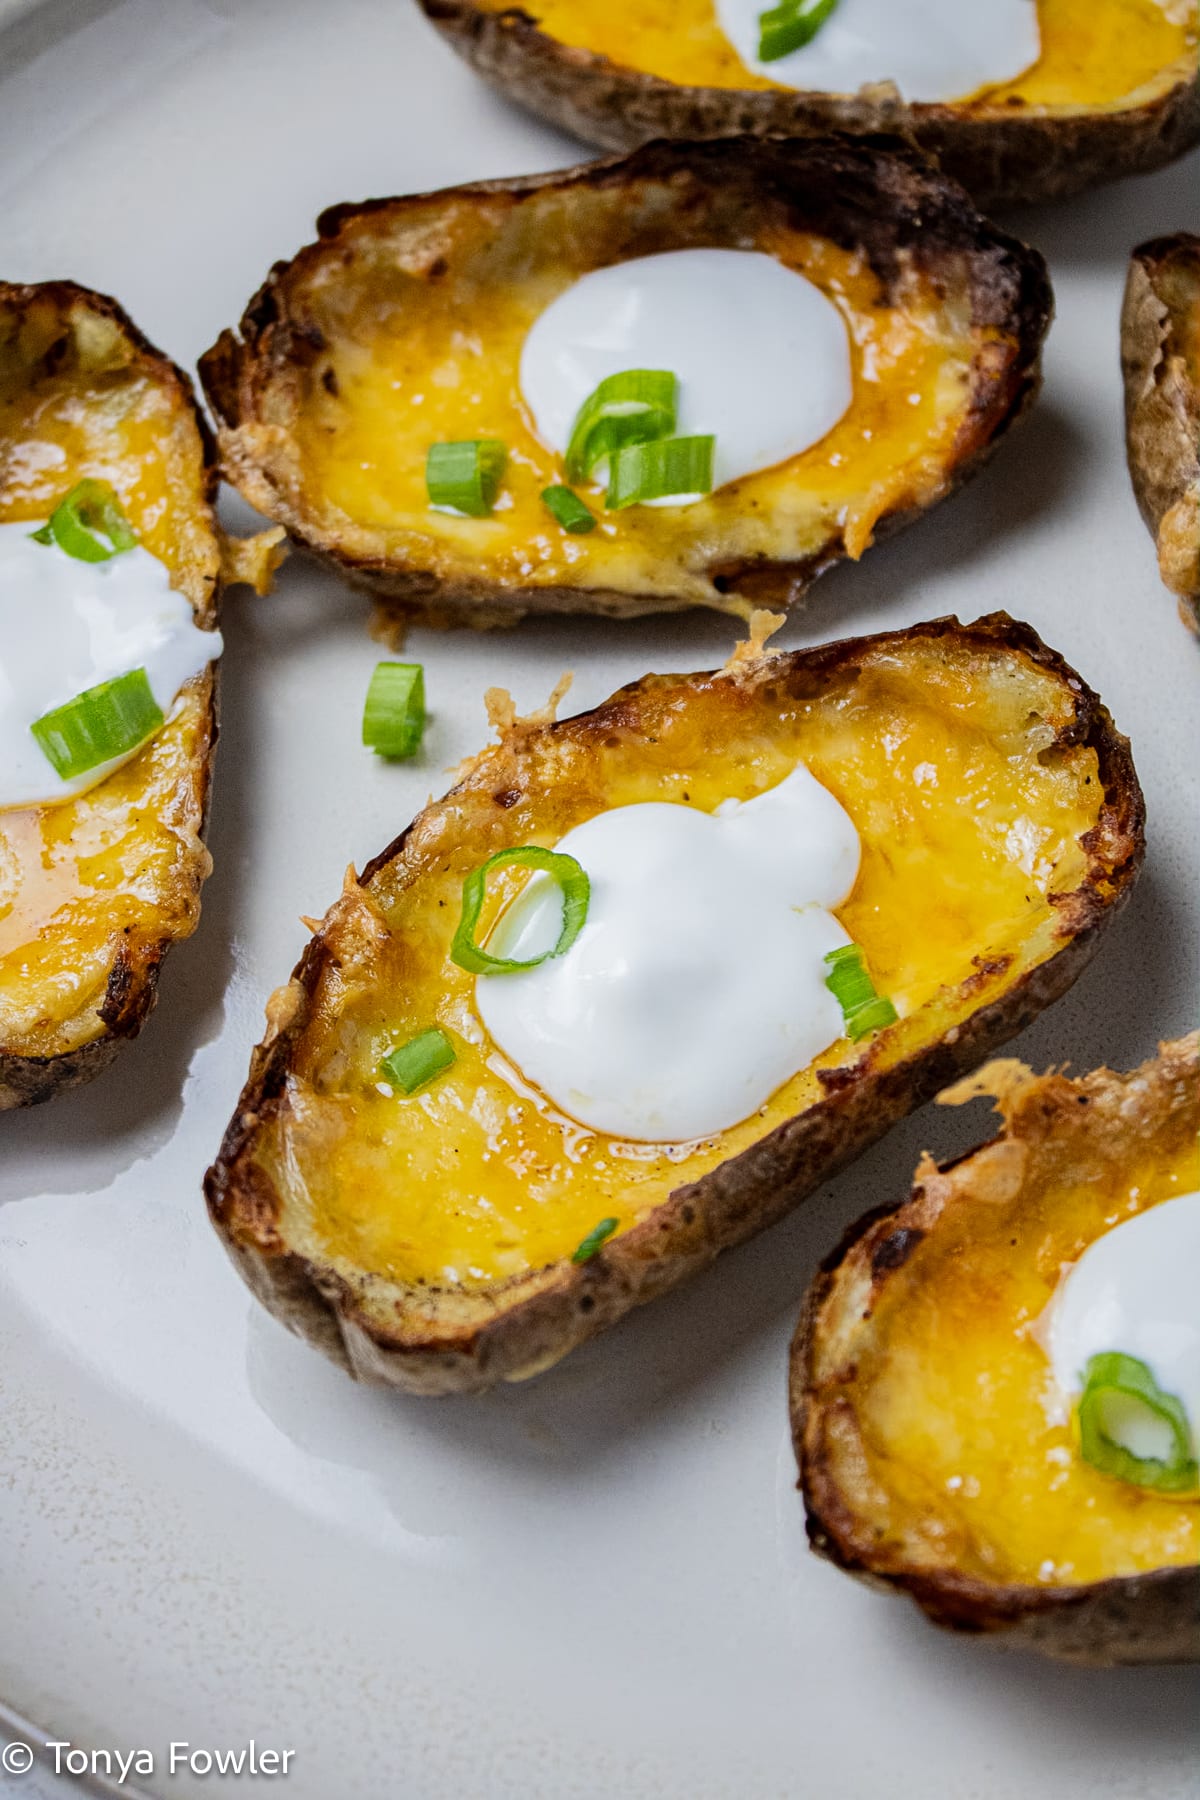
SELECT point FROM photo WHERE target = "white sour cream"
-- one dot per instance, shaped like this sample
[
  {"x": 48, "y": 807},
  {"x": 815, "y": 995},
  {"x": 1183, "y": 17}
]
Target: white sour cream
[
  {"x": 1136, "y": 1290},
  {"x": 931, "y": 49},
  {"x": 697, "y": 985},
  {"x": 762, "y": 357},
  {"x": 67, "y": 625}
]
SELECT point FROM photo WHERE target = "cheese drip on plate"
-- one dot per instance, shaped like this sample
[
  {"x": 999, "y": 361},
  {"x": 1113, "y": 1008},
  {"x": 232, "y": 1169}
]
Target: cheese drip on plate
[
  {"x": 933, "y": 50},
  {"x": 697, "y": 984},
  {"x": 761, "y": 355},
  {"x": 66, "y": 626}
]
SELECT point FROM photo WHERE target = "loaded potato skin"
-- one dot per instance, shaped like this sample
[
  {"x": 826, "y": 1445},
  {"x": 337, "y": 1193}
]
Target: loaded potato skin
[
  {"x": 1115, "y": 93},
  {"x": 430, "y": 1241},
  {"x": 95, "y": 890},
  {"x": 1025, "y": 1543},
  {"x": 407, "y": 323}
]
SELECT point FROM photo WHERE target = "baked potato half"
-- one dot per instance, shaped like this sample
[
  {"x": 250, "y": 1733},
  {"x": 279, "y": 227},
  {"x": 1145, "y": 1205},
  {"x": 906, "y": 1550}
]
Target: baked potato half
[
  {"x": 935, "y": 1459},
  {"x": 434, "y": 1241},
  {"x": 95, "y": 890},
  {"x": 1160, "y": 361},
  {"x": 403, "y": 326},
  {"x": 1115, "y": 90}
]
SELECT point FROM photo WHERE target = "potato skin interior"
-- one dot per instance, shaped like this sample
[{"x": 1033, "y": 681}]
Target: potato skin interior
[
  {"x": 935, "y": 1453},
  {"x": 985, "y": 823},
  {"x": 93, "y": 891},
  {"x": 403, "y": 327},
  {"x": 1093, "y": 56}
]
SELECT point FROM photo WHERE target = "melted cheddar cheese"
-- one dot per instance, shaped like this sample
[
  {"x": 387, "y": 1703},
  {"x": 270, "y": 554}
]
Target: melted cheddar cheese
[
  {"x": 414, "y": 360},
  {"x": 1094, "y": 56},
  {"x": 968, "y": 826},
  {"x": 79, "y": 880},
  {"x": 961, "y": 1422}
]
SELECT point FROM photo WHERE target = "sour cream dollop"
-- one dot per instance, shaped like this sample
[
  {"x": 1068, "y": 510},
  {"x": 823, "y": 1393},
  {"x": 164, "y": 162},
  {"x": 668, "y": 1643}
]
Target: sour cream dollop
[
  {"x": 66, "y": 626},
  {"x": 697, "y": 985},
  {"x": 931, "y": 49},
  {"x": 1135, "y": 1290},
  {"x": 762, "y": 356}
]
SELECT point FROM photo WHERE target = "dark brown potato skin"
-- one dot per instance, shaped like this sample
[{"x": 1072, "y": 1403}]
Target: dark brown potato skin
[
  {"x": 1162, "y": 407},
  {"x": 1149, "y": 1618},
  {"x": 1000, "y": 158},
  {"x": 133, "y": 977},
  {"x": 876, "y": 193},
  {"x": 432, "y": 1342}
]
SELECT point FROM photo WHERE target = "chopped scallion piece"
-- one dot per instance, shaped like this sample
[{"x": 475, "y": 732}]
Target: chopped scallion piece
[
  {"x": 594, "y": 1239},
  {"x": 634, "y": 407},
  {"x": 465, "y": 475},
  {"x": 394, "y": 714},
  {"x": 790, "y": 26},
  {"x": 411, "y": 1065},
  {"x": 576, "y": 891},
  {"x": 88, "y": 524},
  {"x": 848, "y": 980},
  {"x": 1122, "y": 1399},
  {"x": 568, "y": 509},
  {"x": 671, "y": 467},
  {"x": 104, "y": 722}
]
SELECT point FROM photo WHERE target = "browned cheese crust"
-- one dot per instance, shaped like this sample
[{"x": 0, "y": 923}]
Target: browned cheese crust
[
  {"x": 874, "y": 195},
  {"x": 437, "y": 1341},
  {"x": 1147, "y": 1618},
  {"x": 1160, "y": 362},
  {"x": 1000, "y": 157},
  {"x": 47, "y": 329}
]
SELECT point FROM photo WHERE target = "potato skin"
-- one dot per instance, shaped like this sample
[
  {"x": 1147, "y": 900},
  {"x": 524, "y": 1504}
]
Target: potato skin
[
  {"x": 440, "y": 1342},
  {"x": 999, "y": 159},
  {"x": 1162, "y": 407},
  {"x": 874, "y": 193},
  {"x": 1147, "y": 1618},
  {"x": 97, "y": 325}
]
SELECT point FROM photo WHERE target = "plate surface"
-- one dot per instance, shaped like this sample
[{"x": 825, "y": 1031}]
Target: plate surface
[{"x": 598, "y": 1583}]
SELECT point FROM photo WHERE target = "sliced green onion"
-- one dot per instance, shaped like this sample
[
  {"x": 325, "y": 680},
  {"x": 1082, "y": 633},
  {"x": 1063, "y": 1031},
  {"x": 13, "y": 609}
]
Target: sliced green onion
[
  {"x": 465, "y": 475},
  {"x": 634, "y": 407},
  {"x": 411, "y": 1065},
  {"x": 105, "y": 721},
  {"x": 394, "y": 714},
  {"x": 592, "y": 1242},
  {"x": 88, "y": 524},
  {"x": 790, "y": 26},
  {"x": 672, "y": 466},
  {"x": 1117, "y": 1388},
  {"x": 568, "y": 509},
  {"x": 576, "y": 891},
  {"x": 848, "y": 980}
]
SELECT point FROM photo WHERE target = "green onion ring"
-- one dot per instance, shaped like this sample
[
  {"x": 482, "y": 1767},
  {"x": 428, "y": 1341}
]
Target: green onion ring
[{"x": 576, "y": 892}]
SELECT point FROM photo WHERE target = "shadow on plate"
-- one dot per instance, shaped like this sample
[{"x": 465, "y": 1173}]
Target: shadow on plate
[
  {"x": 1068, "y": 1710},
  {"x": 1101, "y": 228}
]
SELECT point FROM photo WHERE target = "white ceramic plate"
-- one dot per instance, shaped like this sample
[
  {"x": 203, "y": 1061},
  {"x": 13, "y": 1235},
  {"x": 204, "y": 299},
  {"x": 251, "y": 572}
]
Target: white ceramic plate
[{"x": 598, "y": 1583}]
